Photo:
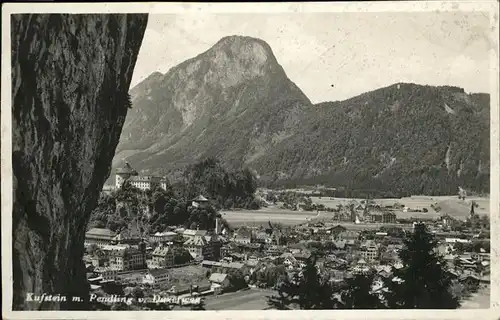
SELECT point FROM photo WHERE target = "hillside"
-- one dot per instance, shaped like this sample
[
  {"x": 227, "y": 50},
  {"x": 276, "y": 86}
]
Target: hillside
[
  {"x": 199, "y": 108},
  {"x": 410, "y": 138},
  {"x": 235, "y": 102}
]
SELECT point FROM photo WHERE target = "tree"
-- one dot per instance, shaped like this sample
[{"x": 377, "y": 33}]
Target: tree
[
  {"x": 137, "y": 293},
  {"x": 357, "y": 293},
  {"x": 92, "y": 249},
  {"x": 120, "y": 306},
  {"x": 423, "y": 282},
  {"x": 306, "y": 291},
  {"x": 236, "y": 281}
]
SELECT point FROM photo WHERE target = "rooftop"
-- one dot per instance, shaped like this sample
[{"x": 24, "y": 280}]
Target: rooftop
[
  {"x": 191, "y": 232},
  {"x": 161, "y": 251},
  {"x": 165, "y": 234},
  {"x": 100, "y": 232},
  {"x": 196, "y": 241},
  {"x": 243, "y": 232},
  {"x": 200, "y": 198},
  {"x": 147, "y": 178},
  {"x": 218, "y": 277},
  {"x": 158, "y": 272}
]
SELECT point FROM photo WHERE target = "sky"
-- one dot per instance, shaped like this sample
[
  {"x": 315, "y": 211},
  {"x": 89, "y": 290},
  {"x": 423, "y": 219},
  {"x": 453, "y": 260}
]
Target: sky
[{"x": 335, "y": 56}]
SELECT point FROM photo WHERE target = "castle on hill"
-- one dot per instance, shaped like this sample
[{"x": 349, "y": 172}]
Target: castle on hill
[{"x": 143, "y": 182}]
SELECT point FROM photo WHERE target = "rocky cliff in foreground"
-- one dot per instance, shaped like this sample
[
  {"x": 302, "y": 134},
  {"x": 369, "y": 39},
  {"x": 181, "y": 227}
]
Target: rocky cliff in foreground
[{"x": 70, "y": 80}]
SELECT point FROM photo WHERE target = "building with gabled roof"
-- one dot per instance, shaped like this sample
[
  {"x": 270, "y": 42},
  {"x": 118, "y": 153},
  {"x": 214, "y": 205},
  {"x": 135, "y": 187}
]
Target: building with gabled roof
[
  {"x": 200, "y": 202},
  {"x": 127, "y": 259},
  {"x": 190, "y": 233},
  {"x": 243, "y": 235},
  {"x": 218, "y": 277},
  {"x": 202, "y": 249},
  {"x": 165, "y": 236},
  {"x": 156, "y": 277},
  {"x": 142, "y": 182},
  {"x": 99, "y": 236},
  {"x": 128, "y": 237},
  {"x": 162, "y": 256}
]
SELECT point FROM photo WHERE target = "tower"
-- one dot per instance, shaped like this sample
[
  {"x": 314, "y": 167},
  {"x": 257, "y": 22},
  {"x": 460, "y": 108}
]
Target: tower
[
  {"x": 472, "y": 205},
  {"x": 122, "y": 174},
  {"x": 217, "y": 226}
]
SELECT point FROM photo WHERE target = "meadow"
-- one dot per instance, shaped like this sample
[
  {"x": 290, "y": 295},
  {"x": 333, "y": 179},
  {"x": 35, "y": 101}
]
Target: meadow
[{"x": 450, "y": 205}]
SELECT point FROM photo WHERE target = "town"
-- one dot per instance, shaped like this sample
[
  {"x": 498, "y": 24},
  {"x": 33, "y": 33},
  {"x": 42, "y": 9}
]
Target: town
[{"x": 240, "y": 267}]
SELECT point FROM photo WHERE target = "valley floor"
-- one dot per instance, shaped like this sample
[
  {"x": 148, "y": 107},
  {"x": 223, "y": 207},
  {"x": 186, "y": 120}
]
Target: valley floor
[{"x": 450, "y": 205}]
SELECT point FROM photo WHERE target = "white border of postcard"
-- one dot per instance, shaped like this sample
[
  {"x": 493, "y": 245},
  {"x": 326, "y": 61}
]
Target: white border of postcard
[{"x": 489, "y": 7}]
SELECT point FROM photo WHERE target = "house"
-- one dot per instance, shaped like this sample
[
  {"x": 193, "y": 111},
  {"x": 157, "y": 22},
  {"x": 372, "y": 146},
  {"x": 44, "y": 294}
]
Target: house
[
  {"x": 252, "y": 265},
  {"x": 156, "y": 277},
  {"x": 128, "y": 237},
  {"x": 98, "y": 260},
  {"x": 181, "y": 289},
  {"x": 127, "y": 259},
  {"x": 225, "y": 251},
  {"x": 162, "y": 256},
  {"x": 376, "y": 217},
  {"x": 224, "y": 267},
  {"x": 337, "y": 230},
  {"x": 302, "y": 256},
  {"x": 389, "y": 217},
  {"x": 200, "y": 202},
  {"x": 349, "y": 236},
  {"x": 199, "y": 248},
  {"x": 361, "y": 267},
  {"x": 190, "y": 233},
  {"x": 222, "y": 279},
  {"x": 289, "y": 260},
  {"x": 99, "y": 236},
  {"x": 389, "y": 257},
  {"x": 369, "y": 251},
  {"x": 143, "y": 182},
  {"x": 162, "y": 237},
  {"x": 201, "y": 287},
  {"x": 261, "y": 237},
  {"x": 243, "y": 235},
  {"x": 215, "y": 243},
  {"x": 203, "y": 247}
]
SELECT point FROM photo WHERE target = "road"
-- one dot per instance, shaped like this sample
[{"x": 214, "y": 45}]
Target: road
[
  {"x": 253, "y": 299},
  {"x": 478, "y": 300}
]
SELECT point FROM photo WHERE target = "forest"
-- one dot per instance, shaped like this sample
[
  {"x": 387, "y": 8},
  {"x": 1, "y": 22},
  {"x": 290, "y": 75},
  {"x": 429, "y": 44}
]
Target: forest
[{"x": 155, "y": 209}]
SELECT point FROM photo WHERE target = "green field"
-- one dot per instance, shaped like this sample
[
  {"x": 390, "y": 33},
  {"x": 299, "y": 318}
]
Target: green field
[
  {"x": 262, "y": 217},
  {"x": 450, "y": 205}
]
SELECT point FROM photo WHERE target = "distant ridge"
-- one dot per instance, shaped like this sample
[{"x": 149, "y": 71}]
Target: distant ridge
[{"x": 235, "y": 102}]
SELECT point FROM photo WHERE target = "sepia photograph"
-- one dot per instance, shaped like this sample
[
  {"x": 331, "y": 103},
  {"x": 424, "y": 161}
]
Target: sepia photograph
[{"x": 257, "y": 157}]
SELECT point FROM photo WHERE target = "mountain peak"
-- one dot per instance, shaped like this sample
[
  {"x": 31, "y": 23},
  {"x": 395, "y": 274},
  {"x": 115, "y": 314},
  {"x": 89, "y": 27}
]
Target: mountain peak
[{"x": 246, "y": 48}]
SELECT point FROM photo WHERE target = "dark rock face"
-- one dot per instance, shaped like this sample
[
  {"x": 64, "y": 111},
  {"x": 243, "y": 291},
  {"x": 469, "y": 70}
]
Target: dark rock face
[{"x": 70, "y": 80}]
